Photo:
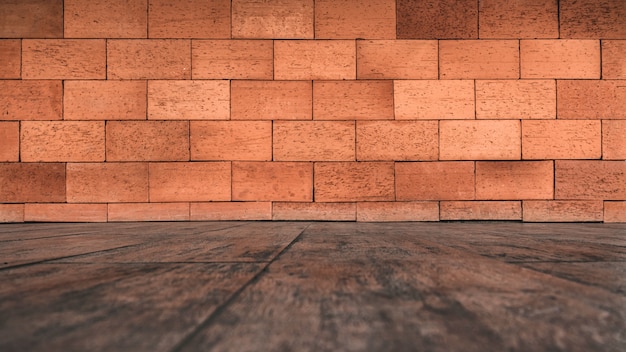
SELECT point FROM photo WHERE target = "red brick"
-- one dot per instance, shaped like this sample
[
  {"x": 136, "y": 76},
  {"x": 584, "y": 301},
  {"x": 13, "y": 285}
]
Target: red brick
[
  {"x": 148, "y": 59},
  {"x": 149, "y": 212},
  {"x": 591, "y": 99},
  {"x": 11, "y": 213},
  {"x": 479, "y": 59},
  {"x": 31, "y": 19},
  {"x": 614, "y": 59},
  {"x": 431, "y": 99},
  {"x": 590, "y": 179},
  {"x": 519, "y": 99},
  {"x": 61, "y": 212},
  {"x": 104, "y": 100},
  {"x": 353, "y": 100},
  {"x": 560, "y": 58},
  {"x": 189, "y": 19},
  {"x": 563, "y": 210},
  {"x": 592, "y": 19},
  {"x": 284, "y": 19},
  {"x": 480, "y": 210},
  {"x": 314, "y": 211},
  {"x": 347, "y": 19},
  {"x": 502, "y": 19},
  {"x": 418, "y": 19},
  {"x": 272, "y": 181},
  {"x": 232, "y": 59},
  {"x": 64, "y": 59},
  {"x": 11, "y": 58},
  {"x": 220, "y": 211},
  {"x": 514, "y": 180},
  {"x": 397, "y": 211},
  {"x": 271, "y": 100},
  {"x": 314, "y": 59},
  {"x": 613, "y": 212},
  {"x": 31, "y": 100},
  {"x": 107, "y": 182},
  {"x": 231, "y": 140},
  {"x": 397, "y": 140},
  {"x": 147, "y": 141},
  {"x": 614, "y": 139},
  {"x": 105, "y": 18},
  {"x": 189, "y": 100},
  {"x": 480, "y": 140},
  {"x": 314, "y": 141},
  {"x": 561, "y": 139},
  {"x": 62, "y": 141},
  {"x": 32, "y": 182},
  {"x": 188, "y": 182},
  {"x": 435, "y": 181},
  {"x": 9, "y": 141},
  {"x": 352, "y": 181},
  {"x": 397, "y": 59}
]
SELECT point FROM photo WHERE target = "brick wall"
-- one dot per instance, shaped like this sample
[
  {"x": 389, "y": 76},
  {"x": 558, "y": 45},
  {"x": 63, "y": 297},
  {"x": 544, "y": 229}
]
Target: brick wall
[{"x": 369, "y": 110}]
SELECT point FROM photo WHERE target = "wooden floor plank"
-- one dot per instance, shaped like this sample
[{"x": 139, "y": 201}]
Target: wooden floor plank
[{"x": 608, "y": 275}]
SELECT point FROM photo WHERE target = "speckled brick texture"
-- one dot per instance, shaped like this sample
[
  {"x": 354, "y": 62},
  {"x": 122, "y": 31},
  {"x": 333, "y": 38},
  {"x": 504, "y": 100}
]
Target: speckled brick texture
[{"x": 376, "y": 110}]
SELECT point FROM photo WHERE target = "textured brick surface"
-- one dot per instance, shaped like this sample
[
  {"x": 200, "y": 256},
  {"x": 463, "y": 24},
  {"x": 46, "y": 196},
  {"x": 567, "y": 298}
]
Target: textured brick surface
[
  {"x": 613, "y": 211},
  {"x": 148, "y": 212},
  {"x": 592, "y": 19},
  {"x": 189, "y": 19},
  {"x": 31, "y": 19},
  {"x": 62, "y": 141},
  {"x": 189, "y": 182},
  {"x": 272, "y": 181},
  {"x": 281, "y": 19},
  {"x": 479, "y": 140},
  {"x": 354, "y": 181},
  {"x": 231, "y": 140},
  {"x": 480, "y": 210},
  {"x": 435, "y": 181},
  {"x": 614, "y": 139},
  {"x": 314, "y": 60},
  {"x": 591, "y": 99},
  {"x": 614, "y": 59},
  {"x": 105, "y": 18},
  {"x": 32, "y": 182},
  {"x": 60, "y": 212},
  {"x": 11, "y": 58},
  {"x": 560, "y": 58},
  {"x": 348, "y": 19},
  {"x": 234, "y": 59},
  {"x": 188, "y": 100},
  {"x": 501, "y": 19},
  {"x": 561, "y": 139},
  {"x": 511, "y": 180},
  {"x": 148, "y": 59},
  {"x": 397, "y": 140},
  {"x": 353, "y": 100},
  {"x": 11, "y": 213},
  {"x": 271, "y": 100},
  {"x": 63, "y": 59},
  {"x": 314, "y": 141},
  {"x": 443, "y": 19},
  {"x": 219, "y": 211},
  {"x": 104, "y": 100},
  {"x": 107, "y": 182},
  {"x": 590, "y": 179},
  {"x": 397, "y": 211},
  {"x": 516, "y": 99},
  {"x": 430, "y": 99},
  {"x": 397, "y": 59},
  {"x": 563, "y": 210},
  {"x": 314, "y": 211},
  {"x": 479, "y": 59},
  {"x": 9, "y": 141},
  {"x": 31, "y": 100},
  {"x": 147, "y": 140}
]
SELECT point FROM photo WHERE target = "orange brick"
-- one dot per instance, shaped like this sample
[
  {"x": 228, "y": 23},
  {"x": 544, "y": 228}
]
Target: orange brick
[
  {"x": 614, "y": 139},
  {"x": 613, "y": 212},
  {"x": 347, "y": 19},
  {"x": 353, "y": 100},
  {"x": 561, "y": 139},
  {"x": 479, "y": 59},
  {"x": 31, "y": 19},
  {"x": 480, "y": 210},
  {"x": 480, "y": 140},
  {"x": 592, "y": 19},
  {"x": 397, "y": 59},
  {"x": 9, "y": 141},
  {"x": 314, "y": 59},
  {"x": 64, "y": 59},
  {"x": 272, "y": 181},
  {"x": 232, "y": 59},
  {"x": 61, "y": 212},
  {"x": 32, "y": 182},
  {"x": 314, "y": 141},
  {"x": 397, "y": 211},
  {"x": 284, "y": 19},
  {"x": 105, "y": 18},
  {"x": 107, "y": 182},
  {"x": 271, "y": 100},
  {"x": 431, "y": 99},
  {"x": 189, "y": 19},
  {"x": 11, "y": 213},
  {"x": 560, "y": 58},
  {"x": 314, "y": 211},
  {"x": 590, "y": 179},
  {"x": 435, "y": 181},
  {"x": 62, "y": 141},
  {"x": 149, "y": 212},
  {"x": 147, "y": 140},
  {"x": 519, "y": 99},
  {"x": 563, "y": 210},
  {"x": 189, "y": 100},
  {"x": 443, "y": 19},
  {"x": 352, "y": 181},
  {"x": 148, "y": 59},
  {"x": 591, "y": 99},
  {"x": 187, "y": 182},
  {"x": 104, "y": 100},
  {"x": 231, "y": 140},
  {"x": 220, "y": 211},
  {"x": 514, "y": 180},
  {"x": 501, "y": 19},
  {"x": 397, "y": 140},
  {"x": 614, "y": 59},
  {"x": 11, "y": 58},
  {"x": 31, "y": 100}
]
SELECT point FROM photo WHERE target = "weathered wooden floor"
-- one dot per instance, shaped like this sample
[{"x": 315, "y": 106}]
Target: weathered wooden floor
[{"x": 296, "y": 286}]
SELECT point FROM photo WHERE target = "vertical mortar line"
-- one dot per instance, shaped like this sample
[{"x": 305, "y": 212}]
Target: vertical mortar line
[
  {"x": 519, "y": 59},
  {"x": 478, "y": 19},
  {"x": 558, "y": 18},
  {"x": 601, "y": 73}
]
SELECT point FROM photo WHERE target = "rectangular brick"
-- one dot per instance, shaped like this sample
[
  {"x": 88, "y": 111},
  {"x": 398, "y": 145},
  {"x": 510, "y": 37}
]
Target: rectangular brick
[
  {"x": 614, "y": 59},
  {"x": 62, "y": 141},
  {"x": 314, "y": 211},
  {"x": 432, "y": 99},
  {"x": 272, "y": 181},
  {"x": 480, "y": 140},
  {"x": 590, "y": 179},
  {"x": 232, "y": 59},
  {"x": 614, "y": 139},
  {"x": 353, "y": 100},
  {"x": 189, "y": 19},
  {"x": 31, "y": 19},
  {"x": 514, "y": 180},
  {"x": 479, "y": 59},
  {"x": 561, "y": 139},
  {"x": 397, "y": 59},
  {"x": 189, "y": 182},
  {"x": 189, "y": 100},
  {"x": 104, "y": 100},
  {"x": 397, "y": 140},
  {"x": 506, "y": 19},
  {"x": 347, "y": 19},
  {"x": 61, "y": 212},
  {"x": 147, "y": 140},
  {"x": 354, "y": 181},
  {"x": 31, "y": 100},
  {"x": 64, "y": 59},
  {"x": 480, "y": 210},
  {"x": 148, "y": 212},
  {"x": 563, "y": 210},
  {"x": 592, "y": 19},
  {"x": 32, "y": 182},
  {"x": 231, "y": 140},
  {"x": 435, "y": 181},
  {"x": 314, "y": 59},
  {"x": 591, "y": 99},
  {"x": 221, "y": 211},
  {"x": 560, "y": 58},
  {"x": 105, "y": 19},
  {"x": 11, "y": 213},
  {"x": 268, "y": 19},
  {"x": 9, "y": 141},
  {"x": 443, "y": 19},
  {"x": 11, "y": 58},
  {"x": 107, "y": 182},
  {"x": 271, "y": 100},
  {"x": 613, "y": 211},
  {"x": 517, "y": 99},
  {"x": 314, "y": 141},
  {"x": 397, "y": 211},
  {"x": 148, "y": 59}
]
